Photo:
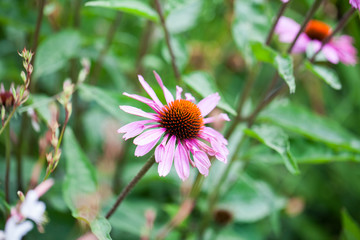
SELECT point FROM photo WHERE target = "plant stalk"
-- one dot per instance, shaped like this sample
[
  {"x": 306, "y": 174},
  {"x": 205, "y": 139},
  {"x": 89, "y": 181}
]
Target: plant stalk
[
  {"x": 7, "y": 156},
  {"x": 279, "y": 14}
]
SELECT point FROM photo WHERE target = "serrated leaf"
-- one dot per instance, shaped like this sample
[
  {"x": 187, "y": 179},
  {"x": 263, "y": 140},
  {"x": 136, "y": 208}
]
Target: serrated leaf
[
  {"x": 204, "y": 85},
  {"x": 80, "y": 185},
  {"x": 326, "y": 74},
  {"x": 306, "y": 123},
  {"x": 55, "y": 52},
  {"x": 136, "y": 8},
  {"x": 283, "y": 64},
  {"x": 276, "y": 139},
  {"x": 351, "y": 230}
]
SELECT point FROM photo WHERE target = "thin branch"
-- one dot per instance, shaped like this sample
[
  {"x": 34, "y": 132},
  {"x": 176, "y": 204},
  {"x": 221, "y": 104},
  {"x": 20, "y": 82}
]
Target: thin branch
[
  {"x": 7, "y": 170},
  {"x": 279, "y": 14},
  {"x": 131, "y": 185},
  {"x": 168, "y": 41}
]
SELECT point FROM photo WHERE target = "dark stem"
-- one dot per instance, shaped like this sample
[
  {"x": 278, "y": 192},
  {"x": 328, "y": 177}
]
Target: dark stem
[
  {"x": 7, "y": 156},
  {"x": 340, "y": 26},
  {"x": 77, "y": 18},
  {"x": 131, "y": 185},
  {"x": 279, "y": 14},
  {"x": 168, "y": 41},
  {"x": 109, "y": 39},
  {"x": 309, "y": 16},
  {"x": 37, "y": 28},
  {"x": 144, "y": 45}
]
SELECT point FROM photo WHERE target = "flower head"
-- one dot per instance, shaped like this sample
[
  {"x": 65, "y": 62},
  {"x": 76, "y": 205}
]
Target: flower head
[
  {"x": 338, "y": 49},
  {"x": 355, "y": 3},
  {"x": 181, "y": 126},
  {"x": 6, "y": 97}
]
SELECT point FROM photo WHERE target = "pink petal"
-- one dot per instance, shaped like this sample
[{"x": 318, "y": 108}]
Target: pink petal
[
  {"x": 202, "y": 162},
  {"x": 133, "y": 129},
  {"x": 142, "y": 150},
  {"x": 145, "y": 100},
  {"x": 160, "y": 150},
  {"x": 189, "y": 97},
  {"x": 138, "y": 112},
  {"x": 330, "y": 54},
  {"x": 178, "y": 92},
  {"x": 208, "y": 104},
  {"x": 204, "y": 147},
  {"x": 220, "y": 117},
  {"x": 287, "y": 29},
  {"x": 149, "y": 136},
  {"x": 181, "y": 162},
  {"x": 215, "y": 134},
  {"x": 150, "y": 91},
  {"x": 168, "y": 96},
  {"x": 168, "y": 157}
]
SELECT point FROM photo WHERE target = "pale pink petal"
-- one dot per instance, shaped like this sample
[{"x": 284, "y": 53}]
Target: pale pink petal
[
  {"x": 150, "y": 91},
  {"x": 189, "y": 97},
  {"x": 215, "y": 134},
  {"x": 149, "y": 136},
  {"x": 168, "y": 157},
  {"x": 133, "y": 126},
  {"x": 131, "y": 134},
  {"x": 145, "y": 100},
  {"x": 301, "y": 44},
  {"x": 181, "y": 162},
  {"x": 355, "y": 3},
  {"x": 201, "y": 145},
  {"x": 208, "y": 104},
  {"x": 138, "y": 112},
  {"x": 330, "y": 54},
  {"x": 178, "y": 92},
  {"x": 168, "y": 96},
  {"x": 144, "y": 149},
  {"x": 345, "y": 49},
  {"x": 43, "y": 187},
  {"x": 220, "y": 117},
  {"x": 160, "y": 150},
  {"x": 202, "y": 162},
  {"x": 287, "y": 29}
]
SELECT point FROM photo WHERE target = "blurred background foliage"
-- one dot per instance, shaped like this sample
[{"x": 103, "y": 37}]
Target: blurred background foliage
[{"x": 260, "y": 198}]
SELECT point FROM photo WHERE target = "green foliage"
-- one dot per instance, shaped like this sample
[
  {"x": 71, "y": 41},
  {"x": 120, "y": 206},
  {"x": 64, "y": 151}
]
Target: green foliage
[{"x": 328, "y": 75}]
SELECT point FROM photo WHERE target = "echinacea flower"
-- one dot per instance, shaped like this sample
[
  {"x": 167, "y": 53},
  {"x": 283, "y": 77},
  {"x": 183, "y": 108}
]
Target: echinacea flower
[
  {"x": 181, "y": 125},
  {"x": 355, "y": 3},
  {"x": 338, "y": 49}
]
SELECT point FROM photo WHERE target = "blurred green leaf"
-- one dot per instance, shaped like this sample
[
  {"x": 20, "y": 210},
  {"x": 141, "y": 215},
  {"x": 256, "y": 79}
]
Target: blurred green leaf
[
  {"x": 55, "y": 51},
  {"x": 251, "y": 200},
  {"x": 276, "y": 139},
  {"x": 351, "y": 230},
  {"x": 283, "y": 64},
  {"x": 80, "y": 185},
  {"x": 136, "y": 8},
  {"x": 251, "y": 23},
  {"x": 184, "y": 16},
  {"x": 179, "y": 48},
  {"x": 204, "y": 84},
  {"x": 306, "y": 123},
  {"x": 326, "y": 74}
]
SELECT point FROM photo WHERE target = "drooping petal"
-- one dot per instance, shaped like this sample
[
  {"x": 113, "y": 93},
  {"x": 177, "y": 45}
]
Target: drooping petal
[
  {"x": 133, "y": 129},
  {"x": 190, "y": 97},
  {"x": 141, "y": 150},
  {"x": 168, "y": 157},
  {"x": 178, "y": 92},
  {"x": 355, "y": 4},
  {"x": 287, "y": 29},
  {"x": 150, "y": 91},
  {"x": 181, "y": 162},
  {"x": 138, "y": 112},
  {"x": 208, "y": 104},
  {"x": 168, "y": 96},
  {"x": 148, "y": 136},
  {"x": 145, "y": 100},
  {"x": 345, "y": 49},
  {"x": 160, "y": 150},
  {"x": 220, "y": 117},
  {"x": 202, "y": 162},
  {"x": 212, "y": 132},
  {"x": 330, "y": 54}
]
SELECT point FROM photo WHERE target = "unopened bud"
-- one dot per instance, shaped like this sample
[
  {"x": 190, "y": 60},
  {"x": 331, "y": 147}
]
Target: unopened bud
[
  {"x": 23, "y": 76},
  {"x": 21, "y": 195},
  {"x": 49, "y": 158}
]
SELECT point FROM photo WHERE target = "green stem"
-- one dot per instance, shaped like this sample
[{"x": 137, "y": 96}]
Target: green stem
[
  {"x": 8, "y": 120},
  {"x": 131, "y": 185},
  {"x": 7, "y": 156}
]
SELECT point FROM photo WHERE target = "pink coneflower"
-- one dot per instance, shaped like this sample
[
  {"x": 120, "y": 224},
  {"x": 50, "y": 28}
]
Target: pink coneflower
[
  {"x": 338, "y": 49},
  {"x": 181, "y": 125},
  {"x": 355, "y": 3}
]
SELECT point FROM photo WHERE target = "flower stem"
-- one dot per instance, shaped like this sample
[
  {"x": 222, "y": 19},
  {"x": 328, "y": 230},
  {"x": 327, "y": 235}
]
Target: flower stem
[
  {"x": 340, "y": 26},
  {"x": 7, "y": 156},
  {"x": 131, "y": 185},
  {"x": 168, "y": 42},
  {"x": 309, "y": 16},
  {"x": 8, "y": 120},
  {"x": 279, "y": 14}
]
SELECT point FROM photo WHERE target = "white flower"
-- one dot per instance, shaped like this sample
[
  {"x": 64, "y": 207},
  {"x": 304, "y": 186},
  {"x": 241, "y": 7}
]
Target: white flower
[
  {"x": 32, "y": 208},
  {"x": 15, "y": 230}
]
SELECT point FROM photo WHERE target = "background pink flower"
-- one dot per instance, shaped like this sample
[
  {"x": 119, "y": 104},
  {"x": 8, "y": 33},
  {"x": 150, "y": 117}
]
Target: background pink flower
[
  {"x": 181, "y": 126},
  {"x": 339, "y": 49},
  {"x": 355, "y": 3}
]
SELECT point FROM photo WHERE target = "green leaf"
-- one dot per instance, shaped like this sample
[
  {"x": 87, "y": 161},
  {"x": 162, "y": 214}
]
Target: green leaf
[
  {"x": 251, "y": 23},
  {"x": 326, "y": 74},
  {"x": 136, "y": 8},
  {"x": 276, "y": 139},
  {"x": 306, "y": 123},
  {"x": 179, "y": 48},
  {"x": 351, "y": 230},
  {"x": 205, "y": 85},
  {"x": 80, "y": 185},
  {"x": 284, "y": 64},
  {"x": 251, "y": 200},
  {"x": 54, "y": 53}
]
